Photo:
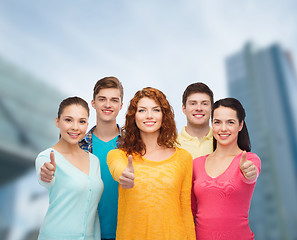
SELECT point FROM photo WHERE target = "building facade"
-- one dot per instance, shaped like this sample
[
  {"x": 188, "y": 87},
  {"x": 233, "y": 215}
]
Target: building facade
[
  {"x": 28, "y": 108},
  {"x": 264, "y": 81}
]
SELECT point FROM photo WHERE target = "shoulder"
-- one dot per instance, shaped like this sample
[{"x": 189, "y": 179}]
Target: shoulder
[
  {"x": 43, "y": 157},
  {"x": 183, "y": 134},
  {"x": 116, "y": 156},
  {"x": 45, "y": 153},
  {"x": 179, "y": 136},
  {"x": 115, "y": 153},
  {"x": 199, "y": 159},
  {"x": 252, "y": 155},
  {"x": 92, "y": 156},
  {"x": 183, "y": 152},
  {"x": 254, "y": 158},
  {"x": 184, "y": 157}
]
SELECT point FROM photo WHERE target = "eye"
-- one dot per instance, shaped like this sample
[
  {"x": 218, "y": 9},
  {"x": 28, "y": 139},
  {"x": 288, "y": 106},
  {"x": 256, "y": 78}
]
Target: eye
[
  {"x": 115, "y": 100},
  {"x": 157, "y": 110},
  {"x": 216, "y": 122},
  {"x": 101, "y": 99},
  {"x": 141, "y": 110},
  {"x": 67, "y": 119},
  {"x": 82, "y": 121}
]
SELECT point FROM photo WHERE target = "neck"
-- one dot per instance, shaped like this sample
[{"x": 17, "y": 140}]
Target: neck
[
  {"x": 197, "y": 131},
  {"x": 230, "y": 150},
  {"x": 151, "y": 141},
  {"x": 65, "y": 147},
  {"x": 106, "y": 130}
]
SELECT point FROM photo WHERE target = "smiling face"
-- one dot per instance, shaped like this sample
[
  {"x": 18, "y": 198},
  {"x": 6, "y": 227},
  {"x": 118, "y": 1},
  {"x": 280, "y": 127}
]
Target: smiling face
[
  {"x": 226, "y": 126},
  {"x": 73, "y": 123},
  {"x": 107, "y": 104},
  {"x": 148, "y": 116},
  {"x": 198, "y": 109}
]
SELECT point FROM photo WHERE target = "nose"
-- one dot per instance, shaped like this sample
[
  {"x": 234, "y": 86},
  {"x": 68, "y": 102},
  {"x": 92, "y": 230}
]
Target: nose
[
  {"x": 199, "y": 106},
  {"x": 75, "y": 125},
  {"x": 107, "y": 103},
  {"x": 223, "y": 127},
  {"x": 149, "y": 114}
]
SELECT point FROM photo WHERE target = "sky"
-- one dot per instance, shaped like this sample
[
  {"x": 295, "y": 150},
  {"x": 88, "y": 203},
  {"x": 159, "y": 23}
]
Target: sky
[
  {"x": 69, "y": 45},
  {"x": 162, "y": 44}
]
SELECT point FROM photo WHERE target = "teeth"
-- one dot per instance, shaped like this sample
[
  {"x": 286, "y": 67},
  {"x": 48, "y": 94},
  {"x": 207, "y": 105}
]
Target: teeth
[{"x": 149, "y": 123}]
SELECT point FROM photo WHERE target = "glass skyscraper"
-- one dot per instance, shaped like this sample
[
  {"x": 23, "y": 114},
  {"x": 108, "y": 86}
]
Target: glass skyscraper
[{"x": 264, "y": 81}]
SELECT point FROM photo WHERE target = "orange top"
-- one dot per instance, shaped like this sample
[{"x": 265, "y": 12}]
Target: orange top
[{"x": 159, "y": 204}]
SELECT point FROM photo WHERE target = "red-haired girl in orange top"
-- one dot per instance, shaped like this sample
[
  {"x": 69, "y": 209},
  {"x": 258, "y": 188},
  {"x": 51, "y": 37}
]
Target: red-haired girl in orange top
[{"x": 155, "y": 177}]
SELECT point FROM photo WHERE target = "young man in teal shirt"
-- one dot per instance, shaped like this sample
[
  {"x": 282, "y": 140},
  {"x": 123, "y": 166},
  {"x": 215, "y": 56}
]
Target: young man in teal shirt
[{"x": 107, "y": 101}]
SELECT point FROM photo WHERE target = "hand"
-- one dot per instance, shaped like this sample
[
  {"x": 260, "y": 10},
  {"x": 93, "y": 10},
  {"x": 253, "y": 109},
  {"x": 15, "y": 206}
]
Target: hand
[
  {"x": 48, "y": 169},
  {"x": 247, "y": 167},
  {"x": 127, "y": 178}
]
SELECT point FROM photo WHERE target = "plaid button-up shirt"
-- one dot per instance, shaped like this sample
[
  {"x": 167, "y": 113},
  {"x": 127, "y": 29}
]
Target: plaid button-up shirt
[{"x": 87, "y": 144}]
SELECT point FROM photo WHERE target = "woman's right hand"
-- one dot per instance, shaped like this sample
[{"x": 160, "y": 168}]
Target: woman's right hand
[
  {"x": 48, "y": 169},
  {"x": 248, "y": 168},
  {"x": 127, "y": 177}
]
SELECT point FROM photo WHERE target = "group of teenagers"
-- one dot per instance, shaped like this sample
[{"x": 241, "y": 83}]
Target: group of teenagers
[{"x": 145, "y": 181}]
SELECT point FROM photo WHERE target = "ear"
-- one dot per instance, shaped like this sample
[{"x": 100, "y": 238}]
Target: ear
[
  {"x": 121, "y": 105},
  {"x": 241, "y": 126},
  {"x": 184, "y": 109},
  {"x": 93, "y": 103},
  {"x": 57, "y": 122}
]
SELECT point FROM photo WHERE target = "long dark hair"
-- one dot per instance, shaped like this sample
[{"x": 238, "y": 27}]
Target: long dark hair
[{"x": 243, "y": 139}]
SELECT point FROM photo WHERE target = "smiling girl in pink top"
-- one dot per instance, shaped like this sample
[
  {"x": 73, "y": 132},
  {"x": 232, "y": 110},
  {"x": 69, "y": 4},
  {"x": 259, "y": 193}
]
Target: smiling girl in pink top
[{"x": 224, "y": 181}]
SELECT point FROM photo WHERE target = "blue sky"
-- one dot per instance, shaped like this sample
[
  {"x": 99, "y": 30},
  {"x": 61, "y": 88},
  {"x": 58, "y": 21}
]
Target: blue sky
[{"x": 163, "y": 44}]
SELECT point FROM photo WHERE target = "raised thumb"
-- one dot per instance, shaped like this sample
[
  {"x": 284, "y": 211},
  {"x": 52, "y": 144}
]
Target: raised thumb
[
  {"x": 130, "y": 164},
  {"x": 243, "y": 158},
  {"x": 52, "y": 157}
]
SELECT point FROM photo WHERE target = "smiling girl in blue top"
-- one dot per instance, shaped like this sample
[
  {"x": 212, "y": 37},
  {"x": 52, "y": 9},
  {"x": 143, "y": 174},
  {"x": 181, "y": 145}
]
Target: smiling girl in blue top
[{"x": 72, "y": 177}]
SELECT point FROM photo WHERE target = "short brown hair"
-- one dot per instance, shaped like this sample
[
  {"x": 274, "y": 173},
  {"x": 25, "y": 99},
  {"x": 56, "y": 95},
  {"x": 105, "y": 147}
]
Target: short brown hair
[
  {"x": 198, "y": 87},
  {"x": 108, "y": 82},
  {"x": 131, "y": 141}
]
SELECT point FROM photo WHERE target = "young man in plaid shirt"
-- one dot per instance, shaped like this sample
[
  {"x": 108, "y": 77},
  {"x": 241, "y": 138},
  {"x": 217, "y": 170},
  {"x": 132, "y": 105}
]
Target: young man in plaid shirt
[{"x": 107, "y": 101}]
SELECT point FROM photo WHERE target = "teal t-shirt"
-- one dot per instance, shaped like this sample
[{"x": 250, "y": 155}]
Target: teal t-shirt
[{"x": 108, "y": 205}]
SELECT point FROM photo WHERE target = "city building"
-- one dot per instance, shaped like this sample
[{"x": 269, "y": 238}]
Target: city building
[
  {"x": 264, "y": 81},
  {"x": 28, "y": 108}
]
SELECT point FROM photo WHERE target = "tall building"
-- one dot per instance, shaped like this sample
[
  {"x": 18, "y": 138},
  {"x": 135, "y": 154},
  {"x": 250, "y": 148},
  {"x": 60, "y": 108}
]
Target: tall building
[
  {"x": 264, "y": 81},
  {"x": 28, "y": 108}
]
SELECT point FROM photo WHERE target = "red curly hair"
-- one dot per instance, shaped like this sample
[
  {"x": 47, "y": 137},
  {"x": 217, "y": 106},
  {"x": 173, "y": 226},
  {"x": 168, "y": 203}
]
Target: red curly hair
[{"x": 131, "y": 141}]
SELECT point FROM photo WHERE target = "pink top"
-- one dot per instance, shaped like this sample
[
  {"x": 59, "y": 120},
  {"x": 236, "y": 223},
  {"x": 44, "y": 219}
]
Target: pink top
[{"x": 223, "y": 202}]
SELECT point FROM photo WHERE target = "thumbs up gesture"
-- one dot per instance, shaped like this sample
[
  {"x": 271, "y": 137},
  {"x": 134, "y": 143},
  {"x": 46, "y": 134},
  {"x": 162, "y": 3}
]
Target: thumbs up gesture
[
  {"x": 127, "y": 178},
  {"x": 247, "y": 167},
  {"x": 48, "y": 169}
]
